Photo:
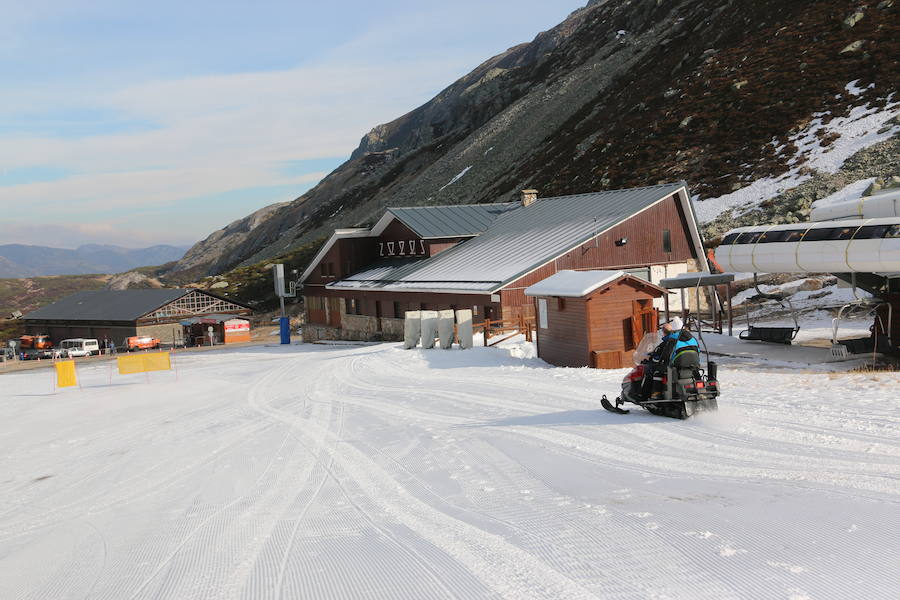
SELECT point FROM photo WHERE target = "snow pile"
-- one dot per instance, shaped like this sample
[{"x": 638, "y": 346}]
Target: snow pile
[{"x": 855, "y": 132}]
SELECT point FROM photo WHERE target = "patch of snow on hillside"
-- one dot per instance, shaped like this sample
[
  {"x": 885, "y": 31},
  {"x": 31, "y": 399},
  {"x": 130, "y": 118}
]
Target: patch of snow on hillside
[
  {"x": 854, "y": 90},
  {"x": 456, "y": 177},
  {"x": 748, "y": 197},
  {"x": 848, "y": 192},
  {"x": 856, "y": 131}
]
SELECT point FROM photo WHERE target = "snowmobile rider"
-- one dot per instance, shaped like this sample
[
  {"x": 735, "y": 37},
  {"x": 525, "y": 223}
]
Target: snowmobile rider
[{"x": 678, "y": 348}]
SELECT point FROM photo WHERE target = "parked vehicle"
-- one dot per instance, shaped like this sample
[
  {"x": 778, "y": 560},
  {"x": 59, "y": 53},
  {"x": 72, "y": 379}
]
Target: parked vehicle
[
  {"x": 80, "y": 347},
  {"x": 37, "y": 342},
  {"x": 35, "y": 346},
  {"x": 138, "y": 342}
]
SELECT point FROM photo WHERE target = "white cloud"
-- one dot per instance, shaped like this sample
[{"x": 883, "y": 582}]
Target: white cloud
[{"x": 215, "y": 134}]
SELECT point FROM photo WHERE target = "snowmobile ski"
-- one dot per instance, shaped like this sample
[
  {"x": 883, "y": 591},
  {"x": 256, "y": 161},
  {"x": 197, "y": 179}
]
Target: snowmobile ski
[{"x": 615, "y": 409}]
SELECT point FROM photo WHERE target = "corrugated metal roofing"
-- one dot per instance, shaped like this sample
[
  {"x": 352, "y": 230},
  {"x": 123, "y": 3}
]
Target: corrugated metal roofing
[
  {"x": 107, "y": 305},
  {"x": 519, "y": 240},
  {"x": 451, "y": 221}
]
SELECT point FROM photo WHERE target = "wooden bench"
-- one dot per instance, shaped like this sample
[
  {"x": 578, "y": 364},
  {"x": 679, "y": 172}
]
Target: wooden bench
[{"x": 774, "y": 335}]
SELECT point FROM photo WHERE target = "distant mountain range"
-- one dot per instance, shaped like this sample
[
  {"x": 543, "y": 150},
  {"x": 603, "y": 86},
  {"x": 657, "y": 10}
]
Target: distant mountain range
[{"x": 20, "y": 260}]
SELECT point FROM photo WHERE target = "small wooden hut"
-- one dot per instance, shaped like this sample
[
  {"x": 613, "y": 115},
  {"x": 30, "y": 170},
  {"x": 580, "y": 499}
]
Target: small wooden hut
[{"x": 593, "y": 318}]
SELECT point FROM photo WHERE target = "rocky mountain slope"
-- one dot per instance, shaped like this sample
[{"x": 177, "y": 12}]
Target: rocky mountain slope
[
  {"x": 724, "y": 94},
  {"x": 19, "y": 260}
]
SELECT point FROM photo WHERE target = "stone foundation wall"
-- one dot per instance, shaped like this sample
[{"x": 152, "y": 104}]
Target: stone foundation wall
[{"x": 356, "y": 328}]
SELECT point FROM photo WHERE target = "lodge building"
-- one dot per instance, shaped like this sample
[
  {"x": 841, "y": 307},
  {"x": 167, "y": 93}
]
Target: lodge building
[
  {"x": 483, "y": 256},
  {"x": 118, "y": 314}
]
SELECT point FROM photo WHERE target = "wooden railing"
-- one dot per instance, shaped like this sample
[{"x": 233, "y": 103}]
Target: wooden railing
[{"x": 510, "y": 327}]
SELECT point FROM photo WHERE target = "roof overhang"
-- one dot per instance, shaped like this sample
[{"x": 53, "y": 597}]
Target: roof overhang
[
  {"x": 424, "y": 289},
  {"x": 339, "y": 234}
]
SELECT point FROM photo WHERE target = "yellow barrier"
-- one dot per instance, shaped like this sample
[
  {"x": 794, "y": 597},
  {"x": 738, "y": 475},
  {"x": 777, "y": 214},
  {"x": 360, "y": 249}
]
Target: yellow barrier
[
  {"x": 65, "y": 374},
  {"x": 139, "y": 363}
]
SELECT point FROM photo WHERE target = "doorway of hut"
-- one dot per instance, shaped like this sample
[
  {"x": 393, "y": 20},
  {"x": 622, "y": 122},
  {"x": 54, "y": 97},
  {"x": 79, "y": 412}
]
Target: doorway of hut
[{"x": 644, "y": 319}]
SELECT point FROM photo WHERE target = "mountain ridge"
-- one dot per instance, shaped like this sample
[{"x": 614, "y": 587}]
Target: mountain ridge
[{"x": 617, "y": 95}]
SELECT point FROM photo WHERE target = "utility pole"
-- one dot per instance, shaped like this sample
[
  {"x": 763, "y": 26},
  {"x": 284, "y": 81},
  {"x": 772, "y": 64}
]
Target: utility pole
[{"x": 284, "y": 324}]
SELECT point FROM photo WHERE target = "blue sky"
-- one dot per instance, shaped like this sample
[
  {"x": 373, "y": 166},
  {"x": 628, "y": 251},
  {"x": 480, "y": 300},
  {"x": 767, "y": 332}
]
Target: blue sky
[{"x": 136, "y": 123}]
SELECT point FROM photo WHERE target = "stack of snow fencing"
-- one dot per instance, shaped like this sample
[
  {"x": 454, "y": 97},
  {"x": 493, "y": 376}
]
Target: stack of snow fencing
[{"x": 432, "y": 327}]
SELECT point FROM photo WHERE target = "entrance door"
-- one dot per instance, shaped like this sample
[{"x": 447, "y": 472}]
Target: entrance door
[
  {"x": 334, "y": 312},
  {"x": 644, "y": 320}
]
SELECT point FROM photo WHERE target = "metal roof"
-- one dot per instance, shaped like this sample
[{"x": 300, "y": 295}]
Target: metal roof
[
  {"x": 576, "y": 284},
  {"x": 518, "y": 241},
  {"x": 107, "y": 305},
  {"x": 452, "y": 220}
]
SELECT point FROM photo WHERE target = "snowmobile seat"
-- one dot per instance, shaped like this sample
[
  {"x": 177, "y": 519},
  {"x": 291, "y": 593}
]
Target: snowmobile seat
[{"x": 774, "y": 335}]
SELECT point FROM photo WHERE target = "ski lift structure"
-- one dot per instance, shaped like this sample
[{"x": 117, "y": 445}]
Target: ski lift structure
[
  {"x": 866, "y": 308},
  {"x": 710, "y": 283},
  {"x": 775, "y": 335},
  {"x": 856, "y": 240}
]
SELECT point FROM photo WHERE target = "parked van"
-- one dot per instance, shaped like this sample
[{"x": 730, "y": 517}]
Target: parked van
[
  {"x": 139, "y": 342},
  {"x": 80, "y": 347}
]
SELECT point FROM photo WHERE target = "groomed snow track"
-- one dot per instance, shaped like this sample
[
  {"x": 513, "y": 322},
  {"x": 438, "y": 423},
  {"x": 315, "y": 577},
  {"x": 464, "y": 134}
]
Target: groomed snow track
[{"x": 350, "y": 472}]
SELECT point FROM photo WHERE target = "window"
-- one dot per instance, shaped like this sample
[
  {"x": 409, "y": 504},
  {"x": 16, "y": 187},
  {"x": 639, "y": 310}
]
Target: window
[
  {"x": 729, "y": 239},
  {"x": 398, "y": 314},
  {"x": 323, "y": 269},
  {"x": 542, "y": 313},
  {"x": 844, "y": 233},
  {"x": 667, "y": 240},
  {"x": 794, "y": 235},
  {"x": 819, "y": 235},
  {"x": 871, "y": 232},
  {"x": 560, "y": 304},
  {"x": 893, "y": 232},
  {"x": 774, "y": 236},
  {"x": 749, "y": 237}
]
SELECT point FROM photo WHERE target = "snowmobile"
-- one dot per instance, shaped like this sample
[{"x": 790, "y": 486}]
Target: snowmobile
[{"x": 685, "y": 392}]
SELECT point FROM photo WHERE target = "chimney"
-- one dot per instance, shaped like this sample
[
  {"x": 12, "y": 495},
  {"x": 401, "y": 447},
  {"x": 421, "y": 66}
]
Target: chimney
[{"x": 529, "y": 197}]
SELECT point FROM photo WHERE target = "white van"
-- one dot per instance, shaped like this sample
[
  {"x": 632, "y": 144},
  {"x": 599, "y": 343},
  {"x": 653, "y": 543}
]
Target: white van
[{"x": 80, "y": 347}]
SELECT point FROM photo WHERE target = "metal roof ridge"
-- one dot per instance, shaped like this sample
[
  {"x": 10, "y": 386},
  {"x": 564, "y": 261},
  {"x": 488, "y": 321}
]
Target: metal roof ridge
[
  {"x": 676, "y": 184},
  {"x": 452, "y": 205}
]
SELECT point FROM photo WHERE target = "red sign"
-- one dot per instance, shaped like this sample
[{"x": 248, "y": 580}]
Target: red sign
[{"x": 237, "y": 325}]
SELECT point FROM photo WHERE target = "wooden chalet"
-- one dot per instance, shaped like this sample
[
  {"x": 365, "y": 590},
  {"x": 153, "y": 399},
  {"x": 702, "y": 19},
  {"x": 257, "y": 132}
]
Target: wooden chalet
[
  {"x": 593, "y": 318},
  {"x": 483, "y": 256}
]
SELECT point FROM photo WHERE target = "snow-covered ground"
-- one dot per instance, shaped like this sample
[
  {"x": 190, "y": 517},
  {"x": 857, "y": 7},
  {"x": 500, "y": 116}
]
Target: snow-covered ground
[{"x": 372, "y": 472}]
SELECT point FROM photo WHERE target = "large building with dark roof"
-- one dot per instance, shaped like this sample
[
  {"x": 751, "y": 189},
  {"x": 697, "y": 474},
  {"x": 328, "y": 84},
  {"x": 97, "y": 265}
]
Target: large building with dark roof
[
  {"x": 484, "y": 256},
  {"x": 117, "y": 314}
]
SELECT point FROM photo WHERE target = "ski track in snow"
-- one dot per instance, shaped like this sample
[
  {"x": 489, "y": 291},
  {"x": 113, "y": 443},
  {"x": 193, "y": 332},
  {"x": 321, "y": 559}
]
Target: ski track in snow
[{"x": 350, "y": 472}]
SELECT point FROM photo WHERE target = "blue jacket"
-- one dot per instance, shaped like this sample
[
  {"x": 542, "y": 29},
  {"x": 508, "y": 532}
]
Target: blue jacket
[{"x": 678, "y": 341}]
